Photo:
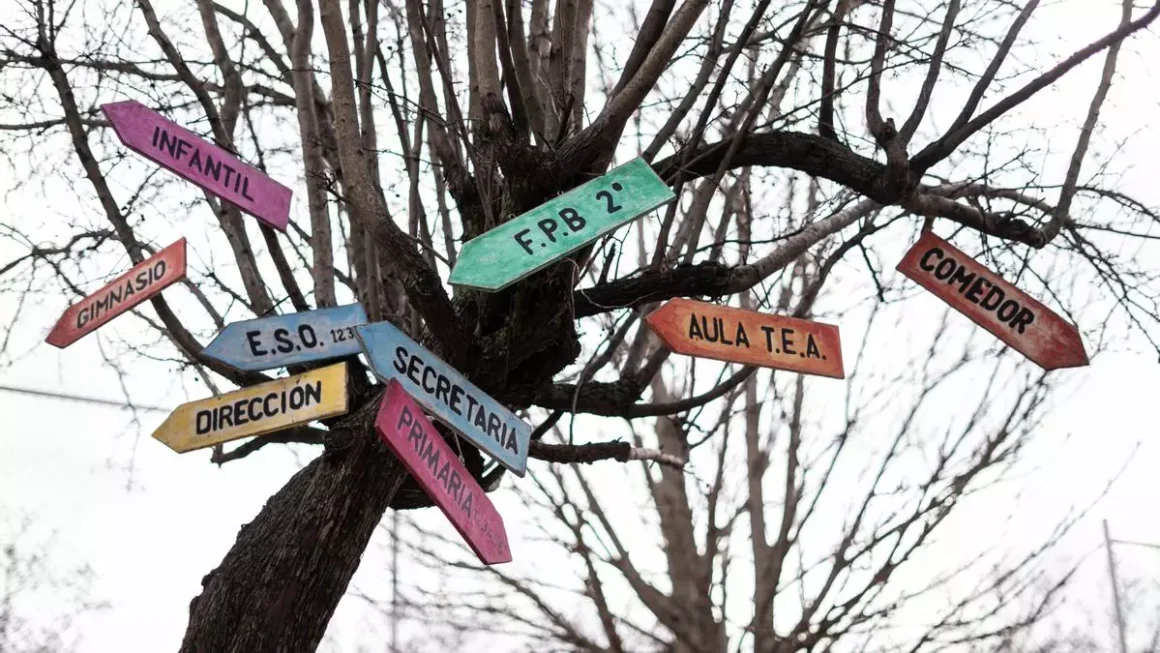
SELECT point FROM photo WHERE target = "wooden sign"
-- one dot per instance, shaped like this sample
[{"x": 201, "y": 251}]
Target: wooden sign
[
  {"x": 1026, "y": 325},
  {"x": 256, "y": 410},
  {"x": 141, "y": 282},
  {"x": 734, "y": 335},
  {"x": 201, "y": 162},
  {"x": 559, "y": 227},
  {"x": 282, "y": 340},
  {"x": 407, "y": 431},
  {"x": 447, "y": 394}
]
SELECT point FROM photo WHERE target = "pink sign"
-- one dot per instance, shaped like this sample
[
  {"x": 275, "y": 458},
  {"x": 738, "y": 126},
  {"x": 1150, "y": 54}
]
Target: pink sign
[
  {"x": 407, "y": 431},
  {"x": 143, "y": 281},
  {"x": 201, "y": 162}
]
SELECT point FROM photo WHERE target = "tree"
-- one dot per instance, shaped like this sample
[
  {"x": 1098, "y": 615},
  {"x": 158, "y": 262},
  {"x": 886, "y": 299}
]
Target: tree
[
  {"x": 798, "y": 518},
  {"x": 40, "y": 602},
  {"x": 400, "y": 161}
]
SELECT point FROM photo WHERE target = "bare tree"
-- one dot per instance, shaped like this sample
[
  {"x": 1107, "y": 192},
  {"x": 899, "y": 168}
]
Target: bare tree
[
  {"x": 804, "y": 520},
  {"x": 41, "y": 600},
  {"x": 414, "y": 126}
]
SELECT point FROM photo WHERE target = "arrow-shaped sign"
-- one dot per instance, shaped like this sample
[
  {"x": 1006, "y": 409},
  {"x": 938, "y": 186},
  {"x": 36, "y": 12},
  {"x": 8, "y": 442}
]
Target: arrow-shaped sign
[
  {"x": 199, "y": 161},
  {"x": 256, "y": 410},
  {"x": 560, "y": 226},
  {"x": 447, "y": 394},
  {"x": 1013, "y": 316},
  {"x": 141, "y": 282},
  {"x": 282, "y": 340},
  {"x": 735, "y": 335},
  {"x": 407, "y": 431}
]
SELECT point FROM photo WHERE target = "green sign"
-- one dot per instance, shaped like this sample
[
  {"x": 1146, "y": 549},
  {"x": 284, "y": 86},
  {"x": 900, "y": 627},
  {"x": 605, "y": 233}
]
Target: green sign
[{"x": 559, "y": 227}]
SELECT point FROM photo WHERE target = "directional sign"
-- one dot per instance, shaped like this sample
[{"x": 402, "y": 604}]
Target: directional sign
[
  {"x": 256, "y": 410},
  {"x": 1014, "y": 317},
  {"x": 282, "y": 340},
  {"x": 141, "y": 282},
  {"x": 447, "y": 394},
  {"x": 407, "y": 431},
  {"x": 201, "y": 162},
  {"x": 559, "y": 227},
  {"x": 748, "y": 337}
]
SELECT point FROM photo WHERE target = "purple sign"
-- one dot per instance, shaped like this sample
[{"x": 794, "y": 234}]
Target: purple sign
[{"x": 201, "y": 162}]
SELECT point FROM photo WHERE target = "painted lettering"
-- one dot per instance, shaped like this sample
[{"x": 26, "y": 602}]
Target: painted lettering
[
  {"x": 431, "y": 457},
  {"x": 694, "y": 330},
  {"x": 549, "y": 227},
  {"x": 740, "y": 336},
  {"x": 413, "y": 369},
  {"x": 456, "y": 399},
  {"x": 255, "y": 344},
  {"x": 493, "y": 426},
  {"x": 401, "y": 359},
  {"x": 933, "y": 252},
  {"x": 786, "y": 342},
  {"x": 812, "y": 350},
  {"x": 526, "y": 244},
  {"x": 442, "y": 387},
  {"x": 282, "y": 337},
  {"x": 204, "y": 419}
]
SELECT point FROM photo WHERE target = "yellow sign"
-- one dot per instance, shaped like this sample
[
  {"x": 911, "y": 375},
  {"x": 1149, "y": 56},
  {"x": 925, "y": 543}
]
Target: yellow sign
[{"x": 257, "y": 410}]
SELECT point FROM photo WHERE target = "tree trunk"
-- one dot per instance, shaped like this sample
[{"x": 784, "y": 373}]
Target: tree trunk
[{"x": 280, "y": 583}]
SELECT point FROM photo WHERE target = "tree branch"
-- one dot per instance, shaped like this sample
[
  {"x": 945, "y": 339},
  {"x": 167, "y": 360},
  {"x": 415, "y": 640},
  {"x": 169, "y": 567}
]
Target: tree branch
[{"x": 943, "y": 147}]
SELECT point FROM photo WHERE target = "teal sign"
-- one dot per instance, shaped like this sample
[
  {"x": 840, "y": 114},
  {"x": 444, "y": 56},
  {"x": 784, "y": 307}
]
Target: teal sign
[{"x": 559, "y": 227}]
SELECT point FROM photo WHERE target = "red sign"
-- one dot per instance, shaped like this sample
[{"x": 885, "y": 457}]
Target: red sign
[
  {"x": 145, "y": 280},
  {"x": 1014, "y": 317},
  {"x": 735, "y": 335},
  {"x": 201, "y": 162},
  {"x": 407, "y": 431}
]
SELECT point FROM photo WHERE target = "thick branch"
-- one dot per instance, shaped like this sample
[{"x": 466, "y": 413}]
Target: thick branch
[
  {"x": 422, "y": 283},
  {"x": 596, "y": 451}
]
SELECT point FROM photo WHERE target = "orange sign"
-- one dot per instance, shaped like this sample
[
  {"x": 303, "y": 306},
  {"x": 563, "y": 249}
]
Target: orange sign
[
  {"x": 1014, "y": 317},
  {"x": 735, "y": 335},
  {"x": 143, "y": 281}
]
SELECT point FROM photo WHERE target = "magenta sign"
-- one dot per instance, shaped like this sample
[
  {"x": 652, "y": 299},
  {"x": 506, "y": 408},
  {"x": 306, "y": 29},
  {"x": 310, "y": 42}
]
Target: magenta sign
[
  {"x": 201, "y": 162},
  {"x": 411, "y": 436}
]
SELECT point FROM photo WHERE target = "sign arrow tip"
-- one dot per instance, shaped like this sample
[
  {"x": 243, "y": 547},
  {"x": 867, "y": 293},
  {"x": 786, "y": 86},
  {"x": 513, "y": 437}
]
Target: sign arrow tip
[
  {"x": 1070, "y": 352},
  {"x": 164, "y": 434}
]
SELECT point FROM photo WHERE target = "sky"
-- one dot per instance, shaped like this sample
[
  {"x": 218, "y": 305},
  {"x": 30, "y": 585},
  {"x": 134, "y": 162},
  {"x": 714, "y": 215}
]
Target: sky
[{"x": 151, "y": 523}]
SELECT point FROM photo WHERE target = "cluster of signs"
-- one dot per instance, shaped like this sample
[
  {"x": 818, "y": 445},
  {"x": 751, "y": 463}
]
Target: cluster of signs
[{"x": 418, "y": 383}]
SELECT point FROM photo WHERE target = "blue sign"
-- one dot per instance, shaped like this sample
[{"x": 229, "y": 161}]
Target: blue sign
[
  {"x": 281, "y": 340},
  {"x": 447, "y": 394}
]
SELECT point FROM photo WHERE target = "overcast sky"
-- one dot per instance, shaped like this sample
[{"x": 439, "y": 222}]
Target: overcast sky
[{"x": 152, "y": 523}]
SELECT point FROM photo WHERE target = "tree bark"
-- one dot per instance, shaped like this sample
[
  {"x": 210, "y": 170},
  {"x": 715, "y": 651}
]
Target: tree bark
[{"x": 280, "y": 583}]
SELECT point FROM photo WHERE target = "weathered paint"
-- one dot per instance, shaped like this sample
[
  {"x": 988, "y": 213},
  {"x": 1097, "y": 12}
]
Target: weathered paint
[
  {"x": 560, "y": 226},
  {"x": 291, "y": 339},
  {"x": 256, "y": 410},
  {"x": 735, "y": 335},
  {"x": 199, "y": 161},
  {"x": 993, "y": 303},
  {"x": 407, "y": 431},
  {"x": 142, "y": 281},
  {"x": 447, "y": 394}
]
